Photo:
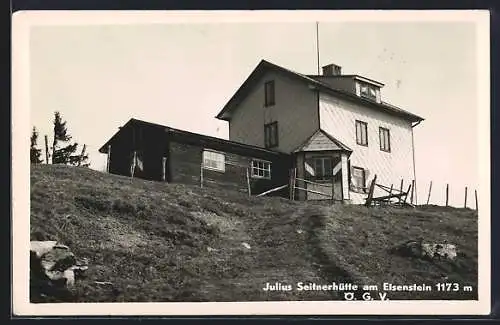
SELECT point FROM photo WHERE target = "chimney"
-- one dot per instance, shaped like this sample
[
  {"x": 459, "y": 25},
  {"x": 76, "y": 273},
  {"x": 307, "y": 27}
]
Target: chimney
[{"x": 332, "y": 70}]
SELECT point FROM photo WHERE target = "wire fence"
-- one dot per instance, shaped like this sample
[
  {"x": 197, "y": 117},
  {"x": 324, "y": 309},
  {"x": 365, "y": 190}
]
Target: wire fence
[{"x": 447, "y": 194}]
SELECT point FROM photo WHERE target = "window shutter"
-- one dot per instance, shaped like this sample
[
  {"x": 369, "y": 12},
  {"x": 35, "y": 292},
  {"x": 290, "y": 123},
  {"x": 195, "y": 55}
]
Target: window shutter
[
  {"x": 367, "y": 180},
  {"x": 310, "y": 168}
]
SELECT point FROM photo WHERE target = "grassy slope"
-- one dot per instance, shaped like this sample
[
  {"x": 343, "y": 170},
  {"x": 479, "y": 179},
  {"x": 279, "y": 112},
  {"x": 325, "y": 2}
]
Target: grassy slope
[{"x": 172, "y": 242}]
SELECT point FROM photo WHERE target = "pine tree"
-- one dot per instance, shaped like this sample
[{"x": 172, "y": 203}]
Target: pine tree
[
  {"x": 35, "y": 153},
  {"x": 66, "y": 154}
]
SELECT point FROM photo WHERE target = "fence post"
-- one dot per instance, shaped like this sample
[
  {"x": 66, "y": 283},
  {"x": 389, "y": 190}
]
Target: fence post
[
  {"x": 465, "y": 202},
  {"x": 108, "y": 163},
  {"x": 475, "y": 194},
  {"x": 248, "y": 183},
  {"x": 412, "y": 190},
  {"x": 401, "y": 186},
  {"x": 333, "y": 188},
  {"x": 201, "y": 175},
  {"x": 46, "y": 150},
  {"x": 294, "y": 183},
  {"x": 447, "y": 189},
  {"x": 370, "y": 191},
  {"x": 132, "y": 165},
  {"x": 81, "y": 155},
  {"x": 408, "y": 191},
  {"x": 164, "y": 167},
  {"x": 429, "y": 195}
]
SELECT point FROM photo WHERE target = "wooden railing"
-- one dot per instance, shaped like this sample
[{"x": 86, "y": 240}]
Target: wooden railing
[{"x": 400, "y": 195}]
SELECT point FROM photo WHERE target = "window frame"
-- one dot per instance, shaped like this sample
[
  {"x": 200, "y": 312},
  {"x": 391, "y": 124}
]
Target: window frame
[
  {"x": 269, "y": 93},
  {"x": 266, "y": 167},
  {"x": 218, "y": 153},
  {"x": 352, "y": 177},
  {"x": 383, "y": 131},
  {"x": 269, "y": 128},
  {"x": 368, "y": 94},
  {"x": 324, "y": 176},
  {"x": 365, "y": 125}
]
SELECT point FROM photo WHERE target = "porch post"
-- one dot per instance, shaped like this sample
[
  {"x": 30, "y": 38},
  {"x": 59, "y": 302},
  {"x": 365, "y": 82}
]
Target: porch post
[{"x": 345, "y": 176}]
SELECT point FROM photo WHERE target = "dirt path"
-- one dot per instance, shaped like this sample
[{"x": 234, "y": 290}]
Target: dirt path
[{"x": 266, "y": 247}]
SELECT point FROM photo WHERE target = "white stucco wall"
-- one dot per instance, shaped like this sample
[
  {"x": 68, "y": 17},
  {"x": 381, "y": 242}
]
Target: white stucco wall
[{"x": 338, "y": 116}]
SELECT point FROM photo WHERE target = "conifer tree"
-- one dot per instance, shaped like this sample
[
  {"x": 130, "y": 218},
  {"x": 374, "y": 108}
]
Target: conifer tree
[
  {"x": 35, "y": 153},
  {"x": 63, "y": 151}
]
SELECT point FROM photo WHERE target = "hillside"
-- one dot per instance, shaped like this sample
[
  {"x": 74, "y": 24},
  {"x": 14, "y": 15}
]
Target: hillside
[{"x": 171, "y": 242}]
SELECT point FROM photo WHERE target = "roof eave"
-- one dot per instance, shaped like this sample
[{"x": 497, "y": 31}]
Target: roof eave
[
  {"x": 367, "y": 80},
  {"x": 223, "y": 115},
  {"x": 104, "y": 148},
  {"x": 407, "y": 115}
]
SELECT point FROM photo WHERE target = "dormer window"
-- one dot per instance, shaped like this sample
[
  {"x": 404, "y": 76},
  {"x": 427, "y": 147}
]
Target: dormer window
[{"x": 368, "y": 91}]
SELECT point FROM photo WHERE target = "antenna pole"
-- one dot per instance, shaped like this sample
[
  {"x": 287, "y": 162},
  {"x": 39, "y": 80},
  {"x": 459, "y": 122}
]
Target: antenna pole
[{"x": 317, "y": 43}]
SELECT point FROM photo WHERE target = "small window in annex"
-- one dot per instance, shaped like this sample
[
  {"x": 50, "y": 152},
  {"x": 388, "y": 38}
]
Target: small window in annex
[
  {"x": 214, "y": 160},
  {"x": 261, "y": 169}
]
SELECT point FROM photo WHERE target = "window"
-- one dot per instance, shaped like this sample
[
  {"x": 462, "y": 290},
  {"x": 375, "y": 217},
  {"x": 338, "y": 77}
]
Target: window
[
  {"x": 214, "y": 160},
  {"x": 269, "y": 93},
  {"x": 361, "y": 133},
  {"x": 323, "y": 168},
  {"x": 271, "y": 135},
  {"x": 261, "y": 169},
  {"x": 368, "y": 91},
  {"x": 385, "y": 139},
  {"x": 358, "y": 179}
]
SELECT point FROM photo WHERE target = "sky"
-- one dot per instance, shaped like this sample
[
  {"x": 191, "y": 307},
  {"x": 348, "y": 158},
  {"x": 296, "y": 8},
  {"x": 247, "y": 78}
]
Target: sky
[{"x": 182, "y": 74}]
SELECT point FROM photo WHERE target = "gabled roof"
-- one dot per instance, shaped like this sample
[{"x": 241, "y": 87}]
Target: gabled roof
[
  {"x": 198, "y": 139},
  {"x": 320, "y": 140},
  {"x": 265, "y": 66}
]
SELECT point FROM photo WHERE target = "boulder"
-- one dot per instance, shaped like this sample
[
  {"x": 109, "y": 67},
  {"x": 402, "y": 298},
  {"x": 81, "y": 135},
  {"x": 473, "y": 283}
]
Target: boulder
[
  {"x": 53, "y": 266},
  {"x": 442, "y": 250},
  {"x": 420, "y": 249},
  {"x": 42, "y": 247}
]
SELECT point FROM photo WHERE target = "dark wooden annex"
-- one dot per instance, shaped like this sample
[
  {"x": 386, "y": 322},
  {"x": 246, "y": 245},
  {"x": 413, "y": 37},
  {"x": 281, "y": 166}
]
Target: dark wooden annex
[{"x": 167, "y": 154}]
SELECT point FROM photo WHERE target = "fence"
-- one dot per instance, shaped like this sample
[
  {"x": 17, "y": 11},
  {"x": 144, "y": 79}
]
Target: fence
[
  {"x": 404, "y": 193},
  {"x": 446, "y": 195},
  {"x": 391, "y": 195},
  {"x": 441, "y": 194},
  {"x": 293, "y": 187}
]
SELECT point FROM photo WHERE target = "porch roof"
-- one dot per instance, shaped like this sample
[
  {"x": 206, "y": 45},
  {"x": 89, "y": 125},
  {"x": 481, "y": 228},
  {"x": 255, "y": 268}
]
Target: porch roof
[{"x": 322, "y": 141}]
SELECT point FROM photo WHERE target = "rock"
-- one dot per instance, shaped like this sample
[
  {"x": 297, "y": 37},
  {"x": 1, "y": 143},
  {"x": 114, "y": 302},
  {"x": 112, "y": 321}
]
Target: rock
[
  {"x": 420, "y": 249},
  {"x": 59, "y": 258},
  {"x": 448, "y": 251},
  {"x": 42, "y": 247},
  {"x": 69, "y": 275},
  {"x": 246, "y": 245},
  {"x": 53, "y": 265}
]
